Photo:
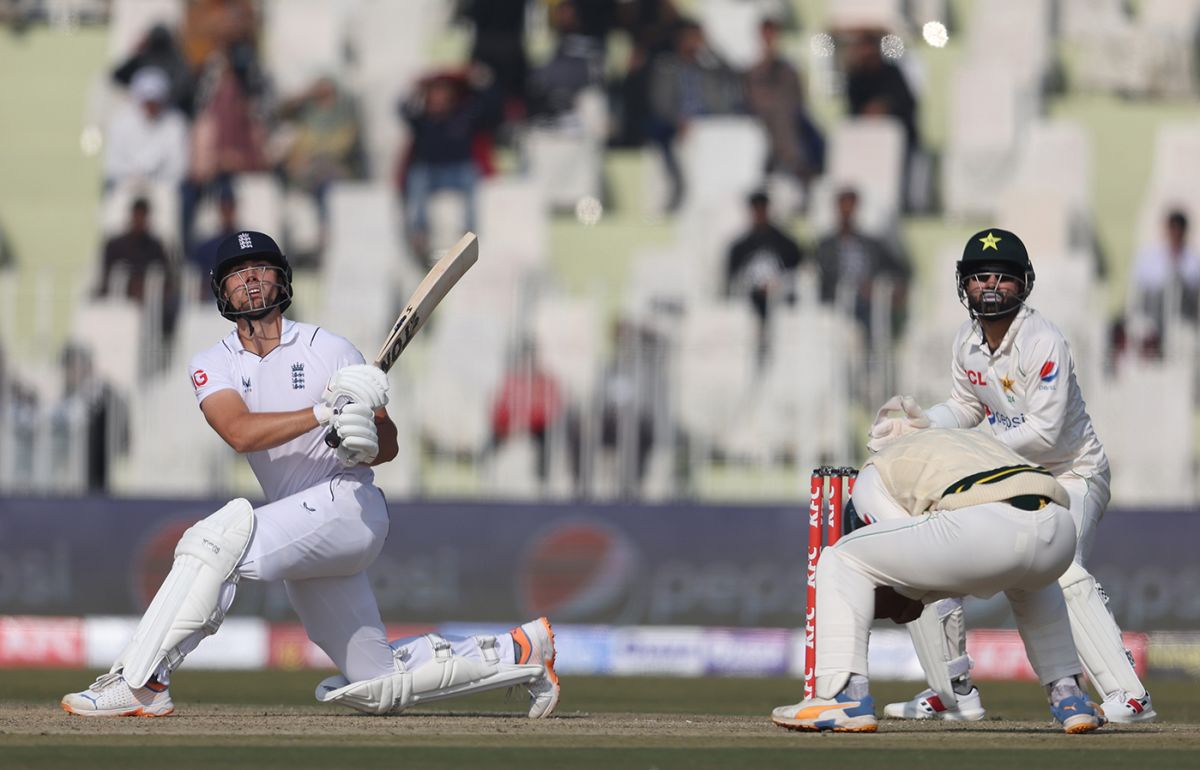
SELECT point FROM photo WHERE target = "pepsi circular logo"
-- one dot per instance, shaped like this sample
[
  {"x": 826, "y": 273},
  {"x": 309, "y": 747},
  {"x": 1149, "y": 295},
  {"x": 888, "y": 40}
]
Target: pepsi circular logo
[{"x": 577, "y": 571}]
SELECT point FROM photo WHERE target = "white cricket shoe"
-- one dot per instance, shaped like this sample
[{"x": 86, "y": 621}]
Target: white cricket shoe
[
  {"x": 534, "y": 643},
  {"x": 1124, "y": 708},
  {"x": 928, "y": 705},
  {"x": 839, "y": 714},
  {"x": 111, "y": 696}
]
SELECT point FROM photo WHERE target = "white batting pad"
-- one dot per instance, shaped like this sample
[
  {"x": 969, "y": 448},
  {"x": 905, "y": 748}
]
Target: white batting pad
[
  {"x": 930, "y": 642},
  {"x": 1097, "y": 636},
  {"x": 189, "y": 600},
  {"x": 444, "y": 675}
]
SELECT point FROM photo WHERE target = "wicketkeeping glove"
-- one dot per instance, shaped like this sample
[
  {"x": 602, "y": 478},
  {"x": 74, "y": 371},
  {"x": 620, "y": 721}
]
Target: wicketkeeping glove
[
  {"x": 361, "y": 383},
  {"x": 887, "y": 429},
  {"x": 355, "y": 426}
]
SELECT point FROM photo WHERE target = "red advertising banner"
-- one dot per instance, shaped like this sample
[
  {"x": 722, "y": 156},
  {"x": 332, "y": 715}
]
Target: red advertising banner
[{"x": 37, "y": 642}]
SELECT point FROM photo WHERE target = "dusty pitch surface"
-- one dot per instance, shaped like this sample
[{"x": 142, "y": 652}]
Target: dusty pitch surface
[{"x": 240, "y": 723}]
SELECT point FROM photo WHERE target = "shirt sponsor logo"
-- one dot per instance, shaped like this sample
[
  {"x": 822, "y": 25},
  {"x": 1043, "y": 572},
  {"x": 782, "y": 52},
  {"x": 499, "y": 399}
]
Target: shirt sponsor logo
[
  {"x": 1002, "y": 420},
  {"x": 1049, "y": 376},
  {"x": 199, "y": 379},
  {"x": 976, "y": 378}
]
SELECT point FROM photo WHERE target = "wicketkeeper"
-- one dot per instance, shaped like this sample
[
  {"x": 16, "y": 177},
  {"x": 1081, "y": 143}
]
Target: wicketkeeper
[{"x": 1013, "y": 370}]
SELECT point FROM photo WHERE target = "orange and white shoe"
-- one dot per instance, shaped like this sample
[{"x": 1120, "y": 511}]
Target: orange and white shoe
[
  {"x": 840, "y": 714},
  {"x": 533, "y": 643},
  {"x": 111, "y": 696}
]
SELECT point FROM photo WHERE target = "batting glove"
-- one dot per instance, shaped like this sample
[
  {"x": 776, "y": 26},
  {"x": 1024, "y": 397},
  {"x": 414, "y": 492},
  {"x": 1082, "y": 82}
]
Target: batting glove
[
  {"x": 361, "y": 383},
  {"x": 355, "y": 426}
]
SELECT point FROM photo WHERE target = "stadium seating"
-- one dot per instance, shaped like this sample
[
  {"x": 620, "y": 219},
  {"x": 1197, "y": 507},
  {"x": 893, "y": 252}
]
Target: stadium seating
[
  {"x": 302, "y": 40},
  {"x": 799, "y": 407},
  {"x": 866, "y": 154},
  {"x": 1124, "y": 409},
  {"x": 111, "y": 329},
  {"x": 714, "y": 375},
  {"x": 983, "y": 137}
]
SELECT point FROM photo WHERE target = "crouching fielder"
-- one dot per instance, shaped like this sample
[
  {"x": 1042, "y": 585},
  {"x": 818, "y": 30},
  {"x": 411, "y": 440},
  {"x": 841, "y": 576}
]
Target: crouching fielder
[
  {"x": 268, "y": 390},
  {"x": 956, "y": 513}
]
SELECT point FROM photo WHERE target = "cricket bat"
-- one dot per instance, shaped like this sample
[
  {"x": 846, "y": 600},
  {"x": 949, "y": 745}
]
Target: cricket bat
[{"x": 436, "y": 284}]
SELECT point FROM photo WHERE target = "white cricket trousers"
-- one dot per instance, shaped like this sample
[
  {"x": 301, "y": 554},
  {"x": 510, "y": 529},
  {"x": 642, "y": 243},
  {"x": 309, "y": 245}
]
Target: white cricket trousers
[
  {"x": 980, "y": 550},
  {"x": 320, "y": 542}
]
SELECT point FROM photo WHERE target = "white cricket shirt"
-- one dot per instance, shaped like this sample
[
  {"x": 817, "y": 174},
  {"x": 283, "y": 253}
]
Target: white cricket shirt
[
  {"x": 290, "y": 377},
  {"x": 1028, "y": 394}
]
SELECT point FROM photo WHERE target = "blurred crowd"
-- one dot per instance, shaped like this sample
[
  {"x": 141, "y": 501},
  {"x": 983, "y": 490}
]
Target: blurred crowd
[{"x": 196, "y": 109}]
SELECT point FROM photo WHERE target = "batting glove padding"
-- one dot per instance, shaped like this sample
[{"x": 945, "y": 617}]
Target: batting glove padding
[
  {"x": 887, "y": 429},
  {"x": 323, "y": 412},
  {"x": 361, "y": 383},
  {"x": 355, "y": 426}
]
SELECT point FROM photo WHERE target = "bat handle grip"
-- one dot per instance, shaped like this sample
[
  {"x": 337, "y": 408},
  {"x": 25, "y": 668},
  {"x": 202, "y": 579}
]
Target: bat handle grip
[{"x": 332, "y": 439}]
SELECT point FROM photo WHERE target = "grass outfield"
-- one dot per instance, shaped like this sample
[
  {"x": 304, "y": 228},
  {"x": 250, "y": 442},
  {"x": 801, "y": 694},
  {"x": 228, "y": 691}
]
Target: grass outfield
[{"x": 268, "y": 719}]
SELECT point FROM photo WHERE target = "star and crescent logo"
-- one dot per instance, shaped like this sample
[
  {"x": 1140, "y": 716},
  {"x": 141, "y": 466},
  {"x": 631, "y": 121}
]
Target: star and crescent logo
[{"x": 989, "y": 241}]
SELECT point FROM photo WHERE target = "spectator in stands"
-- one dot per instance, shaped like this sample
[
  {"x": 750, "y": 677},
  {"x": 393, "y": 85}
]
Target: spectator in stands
[
  {"x": 528, "y": 402},
  {"x": 7, "y": 255},
  {"x": 136, "y": 253},
  {"x": 226, "y": 27},
  {"x": 650, "y": 25},
  {"x": 851, "y": 263},
  {"x": 876, "y": 86},
  {"x": 597, "y": 18},
  {"x": 577, "y": 63},
  {"x": 499, "y": 44},
  {"x": 89, "y": 418},
  {"x": 689, "y": 83},
  {"x": 229, "y": 136},
  {"x": 204, "y": 257},
  {"x": 775, "y": 93},
  {"x": 762, "y": 263},
  {"x": 147, "y": 139},
  {"x": 1166, "y": 276},
  {"x": 159, "y": 49},
  {"x": 22, "y": 415},
  {"x": 444, "y": 115},
  {"x": 325, "y": 144}
]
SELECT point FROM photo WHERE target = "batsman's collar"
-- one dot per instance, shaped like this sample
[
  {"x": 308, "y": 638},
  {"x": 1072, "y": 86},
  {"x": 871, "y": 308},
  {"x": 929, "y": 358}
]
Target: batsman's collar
[{"x": 288, "y": 331}]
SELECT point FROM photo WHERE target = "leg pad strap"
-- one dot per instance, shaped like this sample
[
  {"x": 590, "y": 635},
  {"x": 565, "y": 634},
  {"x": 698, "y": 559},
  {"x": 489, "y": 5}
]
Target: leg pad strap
[{"x": 445, "y": 676}]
